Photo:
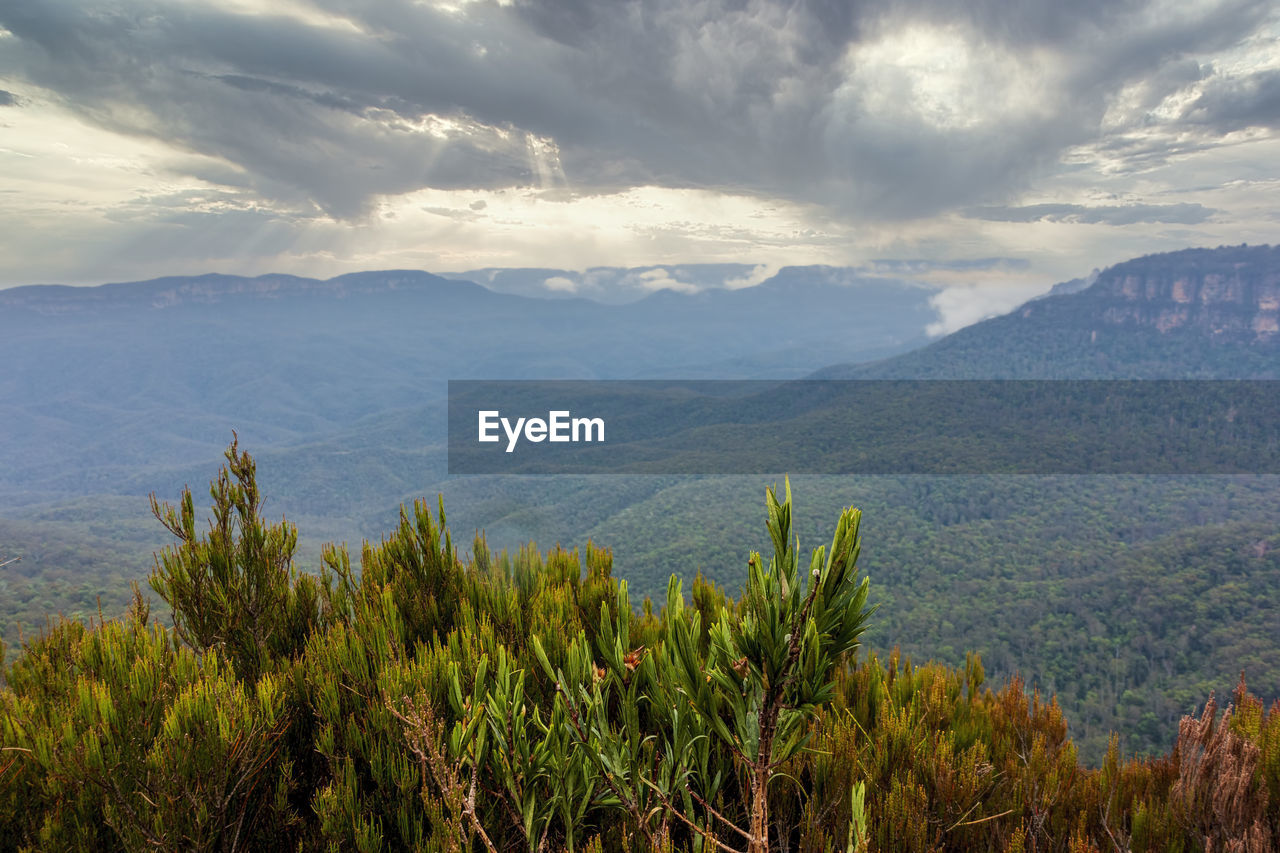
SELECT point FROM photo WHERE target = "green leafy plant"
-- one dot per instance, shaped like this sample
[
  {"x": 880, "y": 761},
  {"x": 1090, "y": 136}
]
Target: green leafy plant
[
  {"x": 768, "y": 667},
  {"x": 234, "y": 588}
]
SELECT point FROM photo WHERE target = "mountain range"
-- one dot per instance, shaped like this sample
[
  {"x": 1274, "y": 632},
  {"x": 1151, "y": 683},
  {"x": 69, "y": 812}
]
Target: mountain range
[{"x": 111, "y": 380}]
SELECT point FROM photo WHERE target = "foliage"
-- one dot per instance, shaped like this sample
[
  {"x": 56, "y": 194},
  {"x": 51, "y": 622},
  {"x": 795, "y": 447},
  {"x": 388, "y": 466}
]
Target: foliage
[
  {"x": 432, "y": 700},
  {"x": 120, "y": 737},
  {"x": 234, "y": 590},
  {"x": 1130, "y": 598}
]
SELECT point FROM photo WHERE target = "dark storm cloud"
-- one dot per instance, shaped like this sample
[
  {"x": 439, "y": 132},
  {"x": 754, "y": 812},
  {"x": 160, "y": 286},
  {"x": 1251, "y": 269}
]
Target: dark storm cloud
[
  {"x": 1121, "y": 214},
  {"x": 758, "y": 96},
  {"x": 1229, "y": 104}
]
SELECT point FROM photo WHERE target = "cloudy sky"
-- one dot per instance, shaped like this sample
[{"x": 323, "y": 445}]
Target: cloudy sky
[{"x": 145, "y": 137}]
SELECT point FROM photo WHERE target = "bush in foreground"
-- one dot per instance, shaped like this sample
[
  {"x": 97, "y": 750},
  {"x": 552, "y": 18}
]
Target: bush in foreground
[{"x": 517, "y": 702}]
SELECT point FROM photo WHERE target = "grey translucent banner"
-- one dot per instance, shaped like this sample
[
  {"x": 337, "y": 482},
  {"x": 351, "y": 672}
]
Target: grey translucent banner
[{"x": 865, "y": 427}]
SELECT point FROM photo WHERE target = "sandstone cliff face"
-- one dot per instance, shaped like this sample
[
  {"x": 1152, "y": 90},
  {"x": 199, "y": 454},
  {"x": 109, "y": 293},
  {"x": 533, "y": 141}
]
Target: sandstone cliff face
[
  {"x": 1229, "y": 293},
  {"x": 1194, "y": 314}
]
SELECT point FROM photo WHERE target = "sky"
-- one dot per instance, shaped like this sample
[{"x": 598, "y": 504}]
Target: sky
[{"x": 993, "y": 147}]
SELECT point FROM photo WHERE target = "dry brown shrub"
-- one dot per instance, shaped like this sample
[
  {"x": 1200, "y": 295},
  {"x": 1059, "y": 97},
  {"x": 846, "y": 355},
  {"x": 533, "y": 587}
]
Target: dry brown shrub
[{"x": 1217, "y": 795}]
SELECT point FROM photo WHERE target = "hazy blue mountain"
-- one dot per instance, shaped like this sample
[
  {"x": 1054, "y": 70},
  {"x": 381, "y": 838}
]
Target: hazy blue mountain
[
  {"x": 109, "y": 383},
  {"x": 613, "y": 285}
]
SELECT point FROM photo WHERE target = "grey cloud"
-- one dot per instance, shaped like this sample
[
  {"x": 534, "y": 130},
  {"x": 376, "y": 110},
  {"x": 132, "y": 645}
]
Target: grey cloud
[
  {"x": 1030, "y": 21},
  {"x": 755, "y": 97},
  {"x": 1121, "y": 214},
  {"x": 922, "y": 169},
  {"x": 454, "y": 213},
  {"x": 1228, "y": 104},
  {"x": 8, "y": 99},
  {"x": 914, "y": 266},
  {"x": 334, "y": 125},
  {"x": 217, "y": 237}
]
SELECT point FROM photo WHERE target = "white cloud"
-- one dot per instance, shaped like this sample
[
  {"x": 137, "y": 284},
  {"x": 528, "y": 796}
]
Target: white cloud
[
  {"x": 758, "y": 275},
  {"x": 560, "y": 284},
  {"x": 946, "y": 77},
  {"x": 963, "y": 304},
  {"x": 659, "y": 279}
]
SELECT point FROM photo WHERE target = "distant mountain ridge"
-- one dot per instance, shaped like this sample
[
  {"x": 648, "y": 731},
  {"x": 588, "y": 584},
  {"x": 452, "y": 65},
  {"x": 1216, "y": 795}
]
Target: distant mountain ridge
[
  {"x": 792, "y": 284},
  {"x": 102, "y": 384},
  {"x": 612, "y": 285},
  {"x": 214, "y": 288},
  {"x": 1197, "y": 313}
]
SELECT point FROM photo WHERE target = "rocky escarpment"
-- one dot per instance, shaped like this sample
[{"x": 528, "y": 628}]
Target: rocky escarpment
[
  {"x": 1229, "y": 293},
  {"x": 1194, "y": 314}
]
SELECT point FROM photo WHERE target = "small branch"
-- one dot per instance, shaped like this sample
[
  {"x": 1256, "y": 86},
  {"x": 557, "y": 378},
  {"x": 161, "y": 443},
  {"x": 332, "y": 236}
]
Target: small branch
[
  {"x": 629, "y": 802},
  {"x": 671, "y": 809},
  {"x": 717, "y": 814},
  {"x": 1106, "y": 824},
  {"x": 980, "y": 820},
  {"x": 419, "y": 733}
]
